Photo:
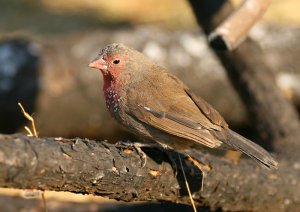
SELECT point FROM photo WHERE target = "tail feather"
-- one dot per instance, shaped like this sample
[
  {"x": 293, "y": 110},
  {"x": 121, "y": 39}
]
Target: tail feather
[{"x": 251, "y": 149}]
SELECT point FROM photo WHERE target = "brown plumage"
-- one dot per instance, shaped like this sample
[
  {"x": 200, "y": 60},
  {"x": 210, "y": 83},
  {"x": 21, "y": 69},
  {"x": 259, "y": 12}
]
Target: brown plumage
[{"x": 152, "y": 103}]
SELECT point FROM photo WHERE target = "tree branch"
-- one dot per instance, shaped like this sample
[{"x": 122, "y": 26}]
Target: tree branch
[
  {"x": 274, "y": 117},
  {"x": 235, "y": 28},
  {"x": 92, "y": 167}
]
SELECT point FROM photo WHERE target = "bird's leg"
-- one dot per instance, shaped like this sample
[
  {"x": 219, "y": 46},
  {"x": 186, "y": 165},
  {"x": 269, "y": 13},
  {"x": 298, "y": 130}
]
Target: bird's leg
[
  {"x": 173, "y": 162},
  {"x": 169, "y": 156},
  {"x": 204, "y": 168},
  {"x": 141, "y": 153}
]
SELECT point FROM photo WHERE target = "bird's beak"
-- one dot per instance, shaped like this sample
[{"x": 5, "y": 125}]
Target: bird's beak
[{"x": 99, "y": 63}]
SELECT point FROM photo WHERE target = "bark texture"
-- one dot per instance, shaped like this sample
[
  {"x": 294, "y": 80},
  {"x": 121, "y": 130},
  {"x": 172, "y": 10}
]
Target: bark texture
[{"x": 100, "y": 168}]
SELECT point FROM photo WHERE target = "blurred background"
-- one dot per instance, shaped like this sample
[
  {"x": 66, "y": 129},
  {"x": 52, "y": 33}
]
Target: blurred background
[{"x": 45, "y": 47}]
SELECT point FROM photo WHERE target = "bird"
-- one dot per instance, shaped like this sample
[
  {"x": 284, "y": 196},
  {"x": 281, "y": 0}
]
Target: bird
[{"x": 156, "y": 105}]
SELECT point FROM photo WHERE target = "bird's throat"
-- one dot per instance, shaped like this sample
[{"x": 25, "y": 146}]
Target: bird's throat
[{"x": 111, "y": 94}]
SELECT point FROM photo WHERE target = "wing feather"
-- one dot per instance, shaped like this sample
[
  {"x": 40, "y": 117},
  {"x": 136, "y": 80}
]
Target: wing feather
[
  {"x": 201, "y": 136},
  {"x": 213, "y": 115}
]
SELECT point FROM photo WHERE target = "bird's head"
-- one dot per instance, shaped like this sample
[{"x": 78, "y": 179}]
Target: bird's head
[
  {"x": 111, "y": 61},
  {"x": 118, "y": 63}
]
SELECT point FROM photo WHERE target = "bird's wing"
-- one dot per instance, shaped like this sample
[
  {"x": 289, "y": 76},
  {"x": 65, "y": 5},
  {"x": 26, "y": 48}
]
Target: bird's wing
[
  {"x": 210, "y": 113},
  {"x": 169, "y": 107}
]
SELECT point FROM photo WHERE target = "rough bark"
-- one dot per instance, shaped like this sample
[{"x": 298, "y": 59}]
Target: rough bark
[
  {"x": 100, "y": 168},
  {"x": 274, "y": 117}
]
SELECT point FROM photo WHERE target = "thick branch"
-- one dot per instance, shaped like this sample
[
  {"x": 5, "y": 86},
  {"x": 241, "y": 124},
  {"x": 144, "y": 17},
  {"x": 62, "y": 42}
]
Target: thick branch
[
  {"x": 274, "y": 117},
  {"x": 100, "y": 168},
  {"x": 235, "y": 28}
]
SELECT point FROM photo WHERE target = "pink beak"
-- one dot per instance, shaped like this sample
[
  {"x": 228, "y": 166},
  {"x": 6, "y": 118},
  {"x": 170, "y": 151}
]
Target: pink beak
[{"x": 99, "y": 63}]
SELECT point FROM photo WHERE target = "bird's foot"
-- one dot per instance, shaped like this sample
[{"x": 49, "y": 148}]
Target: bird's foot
[{"x": 137, "y": 147}]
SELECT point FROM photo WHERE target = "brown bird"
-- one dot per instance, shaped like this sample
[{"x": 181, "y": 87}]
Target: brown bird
[{"x": 151, "y": 102}]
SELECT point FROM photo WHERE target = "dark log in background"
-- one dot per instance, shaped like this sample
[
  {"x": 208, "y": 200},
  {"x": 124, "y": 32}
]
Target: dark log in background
[
  {"x": 273, "y": 116},
  {"x": 110, "y": 171}
]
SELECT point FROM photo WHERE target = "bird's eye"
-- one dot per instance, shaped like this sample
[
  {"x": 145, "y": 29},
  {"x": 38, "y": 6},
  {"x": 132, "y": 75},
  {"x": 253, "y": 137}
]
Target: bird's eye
[{"x": 116, "y": 61}]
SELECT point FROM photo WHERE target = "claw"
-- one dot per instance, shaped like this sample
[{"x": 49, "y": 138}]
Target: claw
[
  {"x": 141, "y": 153},
  {"x": 137, "y": 147}
]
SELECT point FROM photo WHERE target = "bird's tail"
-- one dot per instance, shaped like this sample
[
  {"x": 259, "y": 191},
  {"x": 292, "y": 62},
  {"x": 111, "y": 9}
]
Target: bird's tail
[{"x": 251, "y": 149}]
